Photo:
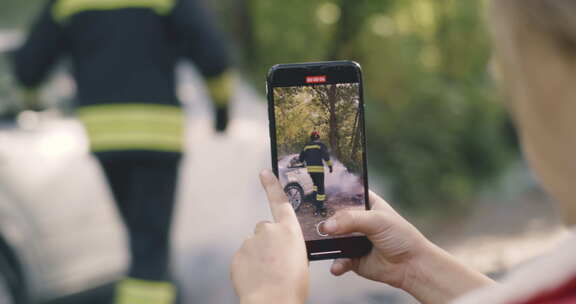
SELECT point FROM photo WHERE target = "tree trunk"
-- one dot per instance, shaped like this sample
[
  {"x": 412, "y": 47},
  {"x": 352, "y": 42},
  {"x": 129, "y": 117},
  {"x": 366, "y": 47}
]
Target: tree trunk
[
  {"x": 347, "y": 29},
  {"x": 355, "y": 135},
  {"x": 244, "y": 28},
  {"x": 333, "y": 121},
  {"x": 359, "y": 141}
]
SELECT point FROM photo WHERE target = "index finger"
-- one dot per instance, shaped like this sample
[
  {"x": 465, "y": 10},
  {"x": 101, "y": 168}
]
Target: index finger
[{"x": 282, "y": 211}]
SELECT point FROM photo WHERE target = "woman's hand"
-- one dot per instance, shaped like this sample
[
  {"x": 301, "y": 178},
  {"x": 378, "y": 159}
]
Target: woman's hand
[
  {"x": 401, "y": 257},
  {"x": 396, "y": 242},
  {"x": 271, "y": 266}
]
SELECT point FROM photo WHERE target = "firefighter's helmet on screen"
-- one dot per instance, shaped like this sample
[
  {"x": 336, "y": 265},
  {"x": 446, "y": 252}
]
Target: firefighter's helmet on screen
[{"x": 315, "y": 135}]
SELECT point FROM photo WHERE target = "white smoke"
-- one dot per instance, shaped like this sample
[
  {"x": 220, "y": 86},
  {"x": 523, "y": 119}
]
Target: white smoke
[{"x": 339, "y": 182}]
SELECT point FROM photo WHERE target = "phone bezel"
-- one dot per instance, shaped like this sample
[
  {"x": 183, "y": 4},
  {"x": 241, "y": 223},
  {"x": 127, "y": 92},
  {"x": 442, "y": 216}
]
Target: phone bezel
[{"x": 290, "y": 75}]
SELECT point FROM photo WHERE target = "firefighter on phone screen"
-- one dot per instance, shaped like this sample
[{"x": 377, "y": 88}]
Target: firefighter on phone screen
[{"x": 315, "y": 154}]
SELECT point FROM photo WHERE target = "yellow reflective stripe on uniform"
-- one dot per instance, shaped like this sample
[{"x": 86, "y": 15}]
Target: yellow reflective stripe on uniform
[
  {"x": 133, "y": 127},
  {"x": 315, "y": 169},
  {"x": 311, "y": 147},
  {"x": 314, "y": 188},
  {"x": 124, "y": 110},
  {"x": 134, "y": 291},
  {"x": 329, "y": 162},
  {"x": 64, "y": 9},
  {"x": 220, "y": 87},
  {"x": 130, "y": 141},
  {"x": 320, "y": 197}
]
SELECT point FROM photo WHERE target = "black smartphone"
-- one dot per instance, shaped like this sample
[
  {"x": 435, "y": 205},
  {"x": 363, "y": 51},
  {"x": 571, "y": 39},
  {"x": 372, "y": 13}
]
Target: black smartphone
[{"x": 316, "y": 115}]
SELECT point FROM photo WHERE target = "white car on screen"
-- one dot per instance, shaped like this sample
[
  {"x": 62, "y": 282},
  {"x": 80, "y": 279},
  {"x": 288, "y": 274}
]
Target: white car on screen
[{"x": 297, "y": 183}]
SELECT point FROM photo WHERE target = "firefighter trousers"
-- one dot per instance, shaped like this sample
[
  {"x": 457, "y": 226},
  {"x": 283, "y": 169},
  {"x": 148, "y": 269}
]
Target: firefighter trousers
[
  {"x": 319, "y": 195},
  {"x": 144, "y": 192}
]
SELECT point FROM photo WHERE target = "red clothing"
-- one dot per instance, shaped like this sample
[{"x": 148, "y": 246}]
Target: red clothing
[
  {"x": 565, "y": 294},
  {"x": 548, "y": 279}
]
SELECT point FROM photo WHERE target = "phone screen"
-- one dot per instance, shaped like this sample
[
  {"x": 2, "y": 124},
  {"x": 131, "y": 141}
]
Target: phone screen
[{"x": 319, "y": 149}]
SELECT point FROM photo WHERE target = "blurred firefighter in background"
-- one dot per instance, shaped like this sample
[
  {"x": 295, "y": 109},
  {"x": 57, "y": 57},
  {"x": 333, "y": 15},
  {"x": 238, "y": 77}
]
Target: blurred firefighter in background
[
  {"x": 123, "y": 55},
  {"x": 314, "y": 154}
]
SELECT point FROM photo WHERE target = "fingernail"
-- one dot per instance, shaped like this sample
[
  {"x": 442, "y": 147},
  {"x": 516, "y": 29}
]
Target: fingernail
[{"x": 330, "y": 226}]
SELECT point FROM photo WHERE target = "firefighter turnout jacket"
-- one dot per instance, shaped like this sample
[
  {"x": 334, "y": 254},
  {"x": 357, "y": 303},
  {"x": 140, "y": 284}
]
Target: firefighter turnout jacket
[
  {"x": 313, "y": 154},
  {"x": 123, "y": 55}
]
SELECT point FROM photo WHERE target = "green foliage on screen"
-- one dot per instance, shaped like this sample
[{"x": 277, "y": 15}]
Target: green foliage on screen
[{"x": 331, "y": 110}]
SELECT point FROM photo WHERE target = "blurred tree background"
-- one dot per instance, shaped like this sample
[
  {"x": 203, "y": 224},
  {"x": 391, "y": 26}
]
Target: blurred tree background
[
  {"x": 329, "y": 109},
  {"x": 16, "y": 14},
  {"x": 436, "y": 131}
]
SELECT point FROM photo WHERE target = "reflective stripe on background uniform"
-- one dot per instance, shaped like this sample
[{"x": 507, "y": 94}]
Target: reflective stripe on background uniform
[
  {"x": 221, "y": 87},
  {"x": 64, "y": 9},
  {"x": 118, "y": 127},
  {"x": 134, "y": 291}
]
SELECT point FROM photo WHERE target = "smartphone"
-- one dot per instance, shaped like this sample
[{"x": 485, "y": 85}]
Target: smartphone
[{"x": 316, "y": 116}]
